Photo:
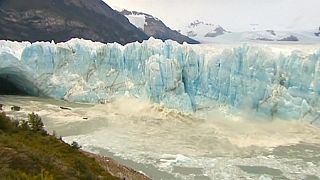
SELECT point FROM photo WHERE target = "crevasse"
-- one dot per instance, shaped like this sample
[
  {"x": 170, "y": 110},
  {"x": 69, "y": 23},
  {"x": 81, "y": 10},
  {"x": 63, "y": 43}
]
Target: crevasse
[{"x": 281, "y": 81}]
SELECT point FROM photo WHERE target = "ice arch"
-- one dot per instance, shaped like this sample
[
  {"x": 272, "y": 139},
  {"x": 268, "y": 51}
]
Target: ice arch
[{"x": 15, "y": 79}]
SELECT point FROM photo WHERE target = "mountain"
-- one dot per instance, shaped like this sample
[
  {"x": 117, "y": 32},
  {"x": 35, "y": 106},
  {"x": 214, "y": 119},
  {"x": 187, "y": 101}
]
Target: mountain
[
  {"x": 317, "y": 33},
  {"x": 211, "y": 33},
  {"x": 154, "y": 27},
  {"x": 271, "y": 35},
  {"x": 267, "y": 36},
  {"x": 200, "y": 30},
  {"x": 61, "y": 20}
]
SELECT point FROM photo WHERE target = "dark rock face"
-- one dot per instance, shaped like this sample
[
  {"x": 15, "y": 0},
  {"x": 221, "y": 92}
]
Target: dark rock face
[
  {"x": 65, "y": 108},
  {"x": 199, "y": 28},
  {"x": 317, "y": 33},
  {"x": 191, "y": 34},
  {"x": 289, "y": 38},
  {"x": 15, "y": 108},
  {"x": 61, "y": 20},
  {"x": 217, "y": 32},
  {"x": 157, "y": 29},
  {"x": 272, "y": 32},
  {"x": 264, "y": 39}
]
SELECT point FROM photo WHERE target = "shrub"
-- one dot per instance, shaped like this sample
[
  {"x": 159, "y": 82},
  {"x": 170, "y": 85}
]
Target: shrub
[
  {"x": 36, "y": 123},
  {"x": 45, "y": 175},
  {"x": 7, "y": 124},
  {"x": 3, "y": 121},
  {"x": 24, "y": 125},
  {"x": 83, "y": 170},
  {"x": 19, "y": 175}
]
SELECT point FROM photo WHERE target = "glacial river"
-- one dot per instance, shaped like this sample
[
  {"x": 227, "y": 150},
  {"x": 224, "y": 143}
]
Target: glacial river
[{"x": 166, "y": 144}]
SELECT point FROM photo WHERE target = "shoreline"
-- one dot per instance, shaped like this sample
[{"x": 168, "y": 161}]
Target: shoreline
[
  {"x": 110, "y": 165},
  {"x": 115, "y": 168}
]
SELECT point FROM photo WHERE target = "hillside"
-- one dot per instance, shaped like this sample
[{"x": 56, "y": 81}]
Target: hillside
[
  {"x": 61, "y": 20},
  {"x": 28, "y": 152}
]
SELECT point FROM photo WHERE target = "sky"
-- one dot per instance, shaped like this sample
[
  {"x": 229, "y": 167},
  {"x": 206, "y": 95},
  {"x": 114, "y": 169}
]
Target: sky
[{"x": 234, "y": 15}]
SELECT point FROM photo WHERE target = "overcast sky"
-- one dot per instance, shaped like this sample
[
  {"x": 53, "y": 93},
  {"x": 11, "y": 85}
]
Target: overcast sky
[{"x": 235, "y": 15}]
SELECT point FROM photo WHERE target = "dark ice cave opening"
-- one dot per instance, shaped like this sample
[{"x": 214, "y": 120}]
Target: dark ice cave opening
[{"x": 11, "y": 84}]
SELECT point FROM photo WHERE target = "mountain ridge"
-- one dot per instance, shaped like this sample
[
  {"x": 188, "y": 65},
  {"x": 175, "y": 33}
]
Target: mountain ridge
[
  {"x": 200, "y": 29},
  {"x": 154, "y": 27},
  {"x": 62, "y": 20}
]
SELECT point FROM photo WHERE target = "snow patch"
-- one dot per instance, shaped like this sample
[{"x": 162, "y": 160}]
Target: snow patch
[{"x": 137, "y": 20}]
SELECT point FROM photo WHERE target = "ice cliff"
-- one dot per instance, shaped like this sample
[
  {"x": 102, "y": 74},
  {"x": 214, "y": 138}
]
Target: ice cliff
[{"x": 281, "y": 81}]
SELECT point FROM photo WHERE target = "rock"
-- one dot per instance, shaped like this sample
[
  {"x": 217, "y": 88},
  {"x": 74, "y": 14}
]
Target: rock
[
  {"x": 200, "y": 29},
  {"x": 65, "y": 108},
  {"x": 15, "y": 108},
  {"x": 85, "y": 118},
  {"x": 317, "y": 33},
  {"x": 289, "y": 38},
  {"x": 272, "y": 32},
  {"x": 264, "y": 39},
  {"x": 217, "y": 32},
  {"x": 191, "y": 34}
]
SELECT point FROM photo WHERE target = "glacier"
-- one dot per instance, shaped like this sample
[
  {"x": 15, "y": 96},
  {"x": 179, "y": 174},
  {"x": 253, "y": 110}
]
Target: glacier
[{"x": 280, "y": 81}]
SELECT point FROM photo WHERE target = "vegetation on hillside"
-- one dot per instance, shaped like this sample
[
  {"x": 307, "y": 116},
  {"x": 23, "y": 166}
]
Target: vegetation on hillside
[{"x": 28, "y": 152}]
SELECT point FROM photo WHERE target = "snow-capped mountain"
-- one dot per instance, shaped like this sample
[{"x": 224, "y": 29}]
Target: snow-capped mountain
[
  {"x": 154, "y": 27},
  {"x": 270, "y": 36},
  {"x": 200, "y": 30},
  {"x": 211, "y": 33}
]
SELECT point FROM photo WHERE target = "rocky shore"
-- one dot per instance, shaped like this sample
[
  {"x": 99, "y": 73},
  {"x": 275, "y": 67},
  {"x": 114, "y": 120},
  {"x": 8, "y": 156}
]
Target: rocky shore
[{"x": 116, "y": 169}]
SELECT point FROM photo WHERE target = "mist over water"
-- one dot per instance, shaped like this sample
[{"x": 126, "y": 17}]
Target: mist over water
[{"x": 213, "y": 144}]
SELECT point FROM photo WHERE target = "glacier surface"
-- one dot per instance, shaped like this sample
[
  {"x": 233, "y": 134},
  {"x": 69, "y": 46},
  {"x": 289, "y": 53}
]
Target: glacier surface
[{"x": 274, "y": 80}]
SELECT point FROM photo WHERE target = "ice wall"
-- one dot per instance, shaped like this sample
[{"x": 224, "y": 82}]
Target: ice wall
[{"x": 278, "y": 82}]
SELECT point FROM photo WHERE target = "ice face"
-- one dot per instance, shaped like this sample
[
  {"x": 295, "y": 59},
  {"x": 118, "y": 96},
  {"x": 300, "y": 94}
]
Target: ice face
[{"x": 274, "y": 80}]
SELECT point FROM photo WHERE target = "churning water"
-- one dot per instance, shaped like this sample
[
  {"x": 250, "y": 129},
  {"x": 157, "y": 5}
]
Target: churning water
[{"x": 166, "y": 144}]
